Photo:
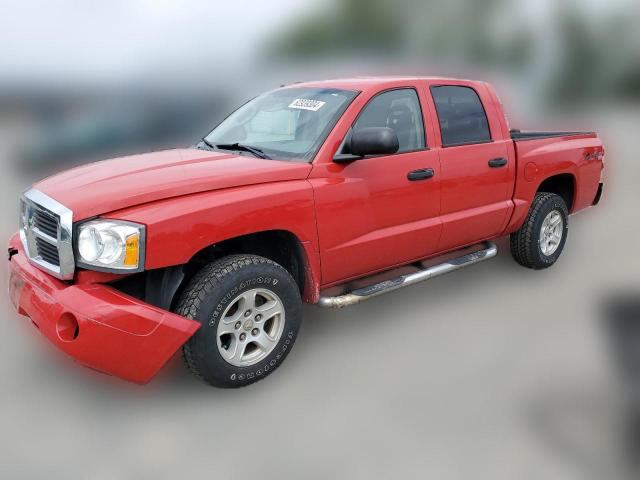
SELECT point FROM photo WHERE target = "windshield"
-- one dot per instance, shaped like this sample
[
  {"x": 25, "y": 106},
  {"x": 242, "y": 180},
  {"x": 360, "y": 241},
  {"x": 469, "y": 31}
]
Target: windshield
[{"x": 289, "y": 124}]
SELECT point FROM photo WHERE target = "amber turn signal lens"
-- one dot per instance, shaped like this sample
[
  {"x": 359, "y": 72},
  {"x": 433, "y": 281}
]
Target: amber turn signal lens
[{"x": 132, "y": 250}]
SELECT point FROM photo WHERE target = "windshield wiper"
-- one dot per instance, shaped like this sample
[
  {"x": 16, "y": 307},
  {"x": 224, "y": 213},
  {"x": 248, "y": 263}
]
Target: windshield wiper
[
  {"x": 245, "y": 148},
  {"x": 206, "y": 142}
]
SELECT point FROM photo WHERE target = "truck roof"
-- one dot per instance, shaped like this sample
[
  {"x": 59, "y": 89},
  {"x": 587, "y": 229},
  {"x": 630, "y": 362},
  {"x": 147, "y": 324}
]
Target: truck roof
[{"x": 376, "y": 82}]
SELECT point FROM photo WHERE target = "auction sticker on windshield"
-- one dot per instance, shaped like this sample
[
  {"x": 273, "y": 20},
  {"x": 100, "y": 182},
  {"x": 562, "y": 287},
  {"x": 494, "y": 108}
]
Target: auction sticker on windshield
[{"x": 305, "y": 104}]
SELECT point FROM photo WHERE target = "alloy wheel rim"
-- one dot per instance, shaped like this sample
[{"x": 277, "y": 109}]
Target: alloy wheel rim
[
  {"x": 250, "y": 327},
  {"x": 551, "y": 232}
]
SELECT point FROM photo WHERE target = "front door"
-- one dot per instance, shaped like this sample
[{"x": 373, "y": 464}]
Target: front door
[{"x": 381, "y": 211}]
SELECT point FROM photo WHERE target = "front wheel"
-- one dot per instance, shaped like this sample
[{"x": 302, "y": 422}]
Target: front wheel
[
  {"x": 250, "y": 310},
  {"x": 540, "y": 240}
]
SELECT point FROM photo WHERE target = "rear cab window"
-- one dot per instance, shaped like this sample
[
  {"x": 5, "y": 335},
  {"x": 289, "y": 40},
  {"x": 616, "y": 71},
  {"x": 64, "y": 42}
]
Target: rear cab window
[{"x": 461, "y": 115}]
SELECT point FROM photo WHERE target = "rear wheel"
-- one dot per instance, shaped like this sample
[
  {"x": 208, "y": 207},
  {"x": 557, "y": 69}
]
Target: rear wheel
[
  {"x": 250, "y": 310},
  {"x": 540, "y": 241}
]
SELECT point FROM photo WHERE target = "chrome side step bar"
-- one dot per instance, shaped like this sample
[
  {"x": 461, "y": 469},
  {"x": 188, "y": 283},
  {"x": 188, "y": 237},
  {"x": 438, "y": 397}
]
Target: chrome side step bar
[{"x": 489, "y": 251}]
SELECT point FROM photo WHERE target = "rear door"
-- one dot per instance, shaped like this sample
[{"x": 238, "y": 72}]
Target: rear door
[{"x": 476, "y": 179}]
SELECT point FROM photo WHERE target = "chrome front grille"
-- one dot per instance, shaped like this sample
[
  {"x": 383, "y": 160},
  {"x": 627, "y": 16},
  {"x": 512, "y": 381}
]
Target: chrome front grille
[
  {"x": 48, "y": 252},
  {"x": 45, "y": 230},
  {"x": 46, "y": 222}
]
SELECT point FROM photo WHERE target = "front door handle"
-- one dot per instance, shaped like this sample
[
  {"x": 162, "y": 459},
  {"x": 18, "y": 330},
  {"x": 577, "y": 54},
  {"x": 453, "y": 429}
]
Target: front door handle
[
  {"x": 421, "y": 174},
  {"x": 497, "y": 162}
]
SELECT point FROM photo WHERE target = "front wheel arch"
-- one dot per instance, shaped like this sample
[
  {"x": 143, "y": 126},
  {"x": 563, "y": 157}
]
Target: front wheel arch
[{"x": 280, "y": 246}]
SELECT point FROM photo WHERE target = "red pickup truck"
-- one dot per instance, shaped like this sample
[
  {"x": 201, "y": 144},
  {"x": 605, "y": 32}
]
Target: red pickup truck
[{"x": 306, "y": 193}]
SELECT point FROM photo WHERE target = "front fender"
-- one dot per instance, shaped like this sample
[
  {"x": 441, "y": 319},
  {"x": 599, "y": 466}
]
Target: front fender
[{"x": 178, "y": 228}]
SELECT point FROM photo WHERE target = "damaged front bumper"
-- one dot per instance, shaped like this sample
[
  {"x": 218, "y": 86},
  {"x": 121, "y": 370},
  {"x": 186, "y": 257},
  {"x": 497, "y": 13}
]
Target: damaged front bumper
[{"x": 95, "y": 324}]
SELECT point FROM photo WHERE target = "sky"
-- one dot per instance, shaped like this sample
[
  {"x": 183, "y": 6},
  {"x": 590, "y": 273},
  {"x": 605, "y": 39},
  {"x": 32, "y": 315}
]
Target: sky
[{"x": 117, "y": 39}]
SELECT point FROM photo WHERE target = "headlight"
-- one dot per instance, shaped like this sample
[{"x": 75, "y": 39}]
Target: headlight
[{"x": 111, "y": 245}]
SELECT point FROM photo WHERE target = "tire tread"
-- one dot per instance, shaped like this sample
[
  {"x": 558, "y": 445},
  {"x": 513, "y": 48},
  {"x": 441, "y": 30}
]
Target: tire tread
[
  {"x": 203, "y": 283},
  {"x": 524, "y": 242}
]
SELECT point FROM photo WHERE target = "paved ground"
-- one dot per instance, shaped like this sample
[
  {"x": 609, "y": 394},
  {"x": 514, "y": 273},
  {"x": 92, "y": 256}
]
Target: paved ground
[{"x": 493, "y": 372}]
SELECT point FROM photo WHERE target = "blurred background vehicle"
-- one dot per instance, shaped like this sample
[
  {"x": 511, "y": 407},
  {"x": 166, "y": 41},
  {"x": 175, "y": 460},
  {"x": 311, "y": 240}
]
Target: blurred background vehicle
[
  {"x": 472, "y": 388},
  {"x": 62, "y": 137}
]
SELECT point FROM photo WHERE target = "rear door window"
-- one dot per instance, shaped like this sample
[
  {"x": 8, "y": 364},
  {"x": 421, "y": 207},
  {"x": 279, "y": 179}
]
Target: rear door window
[{"x": 461, "y": 115}]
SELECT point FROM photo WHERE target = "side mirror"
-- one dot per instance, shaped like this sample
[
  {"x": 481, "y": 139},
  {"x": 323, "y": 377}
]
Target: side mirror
[{"x": 370, "y": 141}]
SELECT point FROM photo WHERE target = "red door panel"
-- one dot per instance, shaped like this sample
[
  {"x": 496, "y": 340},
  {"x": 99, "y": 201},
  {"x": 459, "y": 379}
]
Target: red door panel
[
  {"x": 371, "y": 217},
  {"x": 476, "y": 198}
]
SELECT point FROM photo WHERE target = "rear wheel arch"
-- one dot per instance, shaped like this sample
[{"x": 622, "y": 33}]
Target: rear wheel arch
[{"x": 563, "y": 185}]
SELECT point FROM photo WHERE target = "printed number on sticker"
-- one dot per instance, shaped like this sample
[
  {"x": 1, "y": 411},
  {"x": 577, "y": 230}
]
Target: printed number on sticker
[{"x": 304, "y": 104}]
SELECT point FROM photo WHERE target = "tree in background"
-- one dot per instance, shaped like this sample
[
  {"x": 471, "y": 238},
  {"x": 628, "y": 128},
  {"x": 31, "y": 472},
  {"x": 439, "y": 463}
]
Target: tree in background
[{"x": 569, "y": 54}]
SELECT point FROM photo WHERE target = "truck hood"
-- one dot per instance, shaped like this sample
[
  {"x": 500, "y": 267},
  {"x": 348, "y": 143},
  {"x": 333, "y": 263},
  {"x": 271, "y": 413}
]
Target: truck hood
[{"x": 111, "y": 185}]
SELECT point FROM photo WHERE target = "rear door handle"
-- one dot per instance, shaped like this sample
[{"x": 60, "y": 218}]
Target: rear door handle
[
  {"x": 497, "y": 162},
  {"x": 421, "y": 174}
]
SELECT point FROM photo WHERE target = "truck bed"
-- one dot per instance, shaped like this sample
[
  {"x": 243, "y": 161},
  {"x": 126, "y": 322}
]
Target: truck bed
[
  {"x": 548, "y": 154},
  {"x": 518, "y": 135}
]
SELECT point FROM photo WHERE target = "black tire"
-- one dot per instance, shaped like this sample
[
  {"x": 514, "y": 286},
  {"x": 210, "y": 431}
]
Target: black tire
[
  {"x": 206, "y": 298},
  {"x": 525, "y": 243}
]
